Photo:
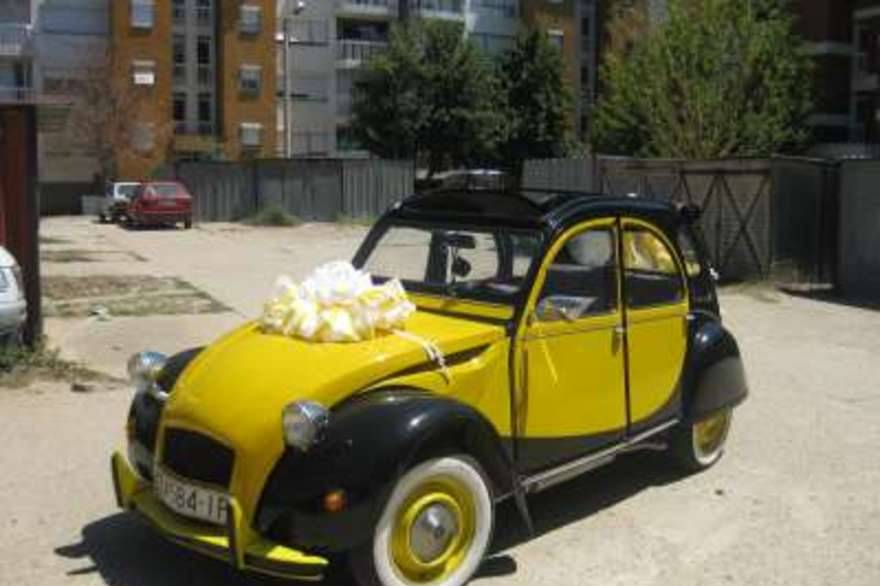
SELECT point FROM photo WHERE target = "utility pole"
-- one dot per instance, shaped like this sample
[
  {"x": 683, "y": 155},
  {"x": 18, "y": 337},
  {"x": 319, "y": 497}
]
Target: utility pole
[{"x": 291, "y": 8}]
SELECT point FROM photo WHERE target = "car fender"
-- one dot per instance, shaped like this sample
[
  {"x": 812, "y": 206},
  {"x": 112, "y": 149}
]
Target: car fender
[
  {"x": 715, "y": 377},
  {"x": 371, "y": 440}
]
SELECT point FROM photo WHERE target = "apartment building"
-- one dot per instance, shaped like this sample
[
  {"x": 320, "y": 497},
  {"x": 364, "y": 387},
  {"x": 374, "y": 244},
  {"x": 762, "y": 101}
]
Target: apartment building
[
  {"x": 329, "y": 40},
  {"x": 204, "y": 73}
]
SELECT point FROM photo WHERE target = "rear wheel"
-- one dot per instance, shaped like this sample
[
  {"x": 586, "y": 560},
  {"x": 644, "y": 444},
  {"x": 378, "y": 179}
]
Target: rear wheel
[
  {"x": 435, "y": 528},
  {"x": 697, "y": 446}
]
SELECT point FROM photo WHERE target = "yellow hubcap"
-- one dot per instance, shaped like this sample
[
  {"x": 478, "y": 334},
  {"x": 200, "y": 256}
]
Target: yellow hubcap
[
  {"x": 433, "y": 530},
  {"x": 710, "y": 433}
]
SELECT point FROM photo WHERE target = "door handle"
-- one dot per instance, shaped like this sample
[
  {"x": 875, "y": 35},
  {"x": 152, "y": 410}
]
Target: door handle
[{"x": 619, "y": 331}]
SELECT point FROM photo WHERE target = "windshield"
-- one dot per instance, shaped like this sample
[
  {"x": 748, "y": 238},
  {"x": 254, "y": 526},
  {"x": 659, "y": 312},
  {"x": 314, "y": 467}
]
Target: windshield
[
  {"x": 482, "y": 264},
  {"x": 126, "y": 190},
  {"x": 165, "y": 190}
]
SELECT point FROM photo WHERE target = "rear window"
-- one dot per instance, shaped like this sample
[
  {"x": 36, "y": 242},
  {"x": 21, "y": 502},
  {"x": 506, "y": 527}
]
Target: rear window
[
  {"x": 167, "y": 190},
  {"x": 127, "y": 190}
]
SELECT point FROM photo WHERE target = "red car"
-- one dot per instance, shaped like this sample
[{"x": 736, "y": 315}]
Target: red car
[{"x": 160, "y": 202}]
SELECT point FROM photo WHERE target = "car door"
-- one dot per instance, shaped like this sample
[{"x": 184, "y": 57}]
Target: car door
[
  {"x": 572, "y": 354},
  {"x": 656, "y": 306}
]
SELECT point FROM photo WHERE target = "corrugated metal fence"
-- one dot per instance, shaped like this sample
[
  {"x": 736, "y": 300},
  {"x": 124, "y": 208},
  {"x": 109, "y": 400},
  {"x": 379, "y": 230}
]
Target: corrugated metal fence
[{"x": 311, "y": 189}]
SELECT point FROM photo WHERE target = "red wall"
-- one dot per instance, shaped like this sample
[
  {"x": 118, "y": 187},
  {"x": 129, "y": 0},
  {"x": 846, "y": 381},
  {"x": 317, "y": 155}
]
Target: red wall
[{"x": 19, "y": 219}]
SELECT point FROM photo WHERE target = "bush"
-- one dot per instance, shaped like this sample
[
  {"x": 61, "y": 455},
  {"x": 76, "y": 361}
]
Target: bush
[{"x": 272, "y": 216}]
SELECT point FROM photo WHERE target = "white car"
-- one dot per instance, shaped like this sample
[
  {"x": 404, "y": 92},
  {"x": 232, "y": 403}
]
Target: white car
[
  {"x": 116, "y": 200},
  {"x": 13, "y": 307}
]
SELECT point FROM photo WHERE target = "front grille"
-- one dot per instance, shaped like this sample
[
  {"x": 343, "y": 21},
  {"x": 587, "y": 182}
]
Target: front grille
[{"x": 197, "y": 457}]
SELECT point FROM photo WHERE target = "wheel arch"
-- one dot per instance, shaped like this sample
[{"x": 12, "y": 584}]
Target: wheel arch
[
  {"x": 372, "y": 440},
  {"x": 715, "y": 377}
]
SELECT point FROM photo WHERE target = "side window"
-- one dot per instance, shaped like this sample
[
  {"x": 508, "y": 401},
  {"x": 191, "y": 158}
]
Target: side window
[
  {"x": 689, "y": 253},
  {"x": 582, "y": 279},
  {"x": 651, "y": 275}
]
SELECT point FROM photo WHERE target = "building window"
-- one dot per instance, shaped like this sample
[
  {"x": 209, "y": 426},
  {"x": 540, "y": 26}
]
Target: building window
[
  {"x": 205, "y": 12},
  {"x": 312, "y": 88},
  {"x": 508, "y": 8},
  {"x": 179, "y": 58},
  {"x": 557, "y": 38},
  {"x": 178, "y": 110},
  {"x": 250, "y": 19},
  {"x": 143, "y": 13},
  {"x": 143, "y": 138},
  {"x": 251, "y": 134},
  {"x": 250, "y": 79},
  {"x": 144, "y": 73},
  {"x": 203, "y": 50},
  {"x": 206, "y": 113},
  {"x": 178, "y": 11}
]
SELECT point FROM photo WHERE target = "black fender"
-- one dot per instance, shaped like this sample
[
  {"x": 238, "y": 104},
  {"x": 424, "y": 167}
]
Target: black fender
[
  {"x": 715, "y": 377},
  {"x": 371, "y": 440},
  {"x": 146, "y": 412}
]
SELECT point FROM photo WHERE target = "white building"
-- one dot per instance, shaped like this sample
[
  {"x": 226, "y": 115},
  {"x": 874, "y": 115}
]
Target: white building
[
  {"x": 329, "y": 40},
  {"x": 44, "y": 45}
]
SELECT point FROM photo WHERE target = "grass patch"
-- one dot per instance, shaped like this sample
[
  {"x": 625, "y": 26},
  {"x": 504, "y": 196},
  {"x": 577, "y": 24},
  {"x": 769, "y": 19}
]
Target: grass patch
[
  {"x": 272, "y": 216},
  {"x": 73, "y": 255},
  {"x": 114, "y": 295},
  {"x": 366, "y": 221},
  {"x": 20, "y": 366},
  {"x": 52, "y": 240},
  {"x": 66, "y": 256}
]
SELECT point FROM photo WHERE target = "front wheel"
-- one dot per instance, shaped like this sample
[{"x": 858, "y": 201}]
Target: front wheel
[
  {"x": 697, "y": 446},
  {"x": 435, "y": 528}
]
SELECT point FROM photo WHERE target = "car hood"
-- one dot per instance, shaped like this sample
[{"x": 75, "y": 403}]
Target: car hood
[
  {"x": 250, "y": 369},
  {"x": 236, "y": 388}
]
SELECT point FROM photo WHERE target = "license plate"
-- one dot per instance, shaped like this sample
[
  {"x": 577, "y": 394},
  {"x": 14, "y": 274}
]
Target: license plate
[
  {"x": 167, "y": 203},
  {"x": 190, "y": 500}
]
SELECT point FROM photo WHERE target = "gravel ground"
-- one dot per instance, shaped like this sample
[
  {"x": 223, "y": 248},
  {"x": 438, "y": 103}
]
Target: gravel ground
[{"x": 794, "y": 501}]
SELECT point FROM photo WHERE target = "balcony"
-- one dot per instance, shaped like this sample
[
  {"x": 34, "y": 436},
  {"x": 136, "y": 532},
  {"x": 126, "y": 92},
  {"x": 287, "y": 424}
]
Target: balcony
[
  {"x": 195, "y": 137},
  {"x": 354, "y": 53},
  {"x": 15, "y": 40},
  {"x": 312, "y": 143},
  {"x": 867, "y": 73},
  {"x": 367, "y": 8},
  {"x": 446, "y": 9},
  {"x": 17, "y": 95}
]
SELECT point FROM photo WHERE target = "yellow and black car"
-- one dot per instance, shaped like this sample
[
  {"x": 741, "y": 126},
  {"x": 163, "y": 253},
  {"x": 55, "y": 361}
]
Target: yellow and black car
[{"x": 563, "y": 334}]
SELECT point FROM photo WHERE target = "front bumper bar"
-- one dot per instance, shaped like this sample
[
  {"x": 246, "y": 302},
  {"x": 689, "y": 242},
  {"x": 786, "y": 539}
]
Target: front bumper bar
[{"x": 236, "y": 544}]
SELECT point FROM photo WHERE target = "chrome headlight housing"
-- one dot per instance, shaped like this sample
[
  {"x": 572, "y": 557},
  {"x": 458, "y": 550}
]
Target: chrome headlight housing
[
  {"x": 303, "y": 423},
  {"x": 144, "y": 368}
]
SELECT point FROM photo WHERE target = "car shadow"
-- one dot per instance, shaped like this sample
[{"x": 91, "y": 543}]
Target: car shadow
[
  {"x": 125, "y": 551},
  {"x": 574, "y": 501}
]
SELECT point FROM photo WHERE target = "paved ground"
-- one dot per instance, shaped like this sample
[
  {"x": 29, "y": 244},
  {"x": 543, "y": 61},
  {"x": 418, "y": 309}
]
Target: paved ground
[{"x": 794, "y": 501}]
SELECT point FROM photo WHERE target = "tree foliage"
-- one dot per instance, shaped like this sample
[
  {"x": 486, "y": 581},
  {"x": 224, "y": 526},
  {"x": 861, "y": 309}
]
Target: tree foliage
[
  {"x": 101, "y": 123},
  {"x": 537, "y": 98},
  {"x": 716, "y": 78},
  {"x": 435, "y": 97},
  {"x": 429, "y": 97}
]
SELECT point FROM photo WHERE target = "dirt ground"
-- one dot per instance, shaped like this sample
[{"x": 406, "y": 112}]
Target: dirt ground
[{"x": 794, "y": 501}]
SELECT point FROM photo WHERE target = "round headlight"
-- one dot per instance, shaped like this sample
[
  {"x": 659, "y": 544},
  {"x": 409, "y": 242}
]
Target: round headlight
[
  {"x": 144, "y": 368},
  {"x": 303, "y": 423}
]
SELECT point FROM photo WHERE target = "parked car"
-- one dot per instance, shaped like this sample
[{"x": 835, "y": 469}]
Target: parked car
[
  {"x": 160, "y": 203},
  {"x": 13, "y": 307},
  {"x": 562, "y": 335},
  {"x": 116, "y": 199}
]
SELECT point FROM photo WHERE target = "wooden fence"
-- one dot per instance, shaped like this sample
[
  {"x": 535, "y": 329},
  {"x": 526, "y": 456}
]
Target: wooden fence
[{"x": 761, "y": 217}]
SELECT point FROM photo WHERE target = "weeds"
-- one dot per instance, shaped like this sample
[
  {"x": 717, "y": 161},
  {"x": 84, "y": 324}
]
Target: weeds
[
  {"x": 20, "y": 365},
  {"x": 346, "y": 220},
  {"x": 272, "y": 216}
]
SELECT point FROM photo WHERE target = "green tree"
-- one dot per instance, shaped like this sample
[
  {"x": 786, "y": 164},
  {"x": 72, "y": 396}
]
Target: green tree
[
  {"x": 537, "y": 100},
  {"x": 430, "y": 96},
  {"x": 716, "y": 78}
]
